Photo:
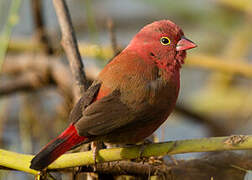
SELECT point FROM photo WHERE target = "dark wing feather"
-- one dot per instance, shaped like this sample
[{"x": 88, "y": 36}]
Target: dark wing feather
[
  {"x": 104, "y": 116},
  {"x": 84, "y": 101}
]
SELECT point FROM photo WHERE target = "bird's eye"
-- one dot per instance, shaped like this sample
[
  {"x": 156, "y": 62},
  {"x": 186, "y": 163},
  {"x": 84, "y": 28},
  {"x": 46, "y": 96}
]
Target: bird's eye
[{"x": 165, "y": 41}]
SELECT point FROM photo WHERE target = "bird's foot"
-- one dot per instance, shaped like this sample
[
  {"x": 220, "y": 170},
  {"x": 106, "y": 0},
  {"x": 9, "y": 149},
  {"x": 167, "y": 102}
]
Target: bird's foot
[
  {"x": 42, "y": 175},
  {"x": 173, "y": 159},
  {"x": 95, "y": 146},
  {"x": 76, "y": 171},
  {"x": 142, "y": 148},
  {"x": 156, "y": 160}
]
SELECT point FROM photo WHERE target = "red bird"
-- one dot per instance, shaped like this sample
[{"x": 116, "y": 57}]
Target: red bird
[{"x": 133, "y": 95}]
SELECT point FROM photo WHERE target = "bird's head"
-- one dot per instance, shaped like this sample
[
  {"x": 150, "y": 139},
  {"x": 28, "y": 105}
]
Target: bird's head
[{"x": 162, "y": 42}]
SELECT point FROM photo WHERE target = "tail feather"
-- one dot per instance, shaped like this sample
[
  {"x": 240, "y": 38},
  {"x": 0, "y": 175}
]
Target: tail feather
[{"x": 56, "y": 148}]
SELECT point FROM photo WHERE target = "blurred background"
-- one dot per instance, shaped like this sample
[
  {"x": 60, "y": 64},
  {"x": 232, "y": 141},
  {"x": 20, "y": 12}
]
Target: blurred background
[{"x": 36, "y": 92}]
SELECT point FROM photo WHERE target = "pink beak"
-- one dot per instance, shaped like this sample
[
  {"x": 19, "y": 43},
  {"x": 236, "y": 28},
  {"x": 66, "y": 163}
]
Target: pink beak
[{"x": 185, "y": 44}]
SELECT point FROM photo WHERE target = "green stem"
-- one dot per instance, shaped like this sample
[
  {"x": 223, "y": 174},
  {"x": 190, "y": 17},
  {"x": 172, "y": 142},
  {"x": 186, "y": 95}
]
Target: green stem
[{"x": 21, "y": 162}]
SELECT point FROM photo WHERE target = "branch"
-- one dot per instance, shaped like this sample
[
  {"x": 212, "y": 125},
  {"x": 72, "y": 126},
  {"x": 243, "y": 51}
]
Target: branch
[
  {"x": 157, "y": 149},
  {"x": 22, "y": 162},
  {"x": 213, "y": 63},
  {"x": 70, "y": 46},
  {"x": 40, "y": 31},
  {"x": 223, "y": 165},
  {"x": 26, "y": 82},
  {"x": 16, "y": 161},
  {"x": 127, "y": 168},
  {"x": 46, "y": 71},
  {"x": 113, "y": 41},
  {"x": 50, "y": 70}
]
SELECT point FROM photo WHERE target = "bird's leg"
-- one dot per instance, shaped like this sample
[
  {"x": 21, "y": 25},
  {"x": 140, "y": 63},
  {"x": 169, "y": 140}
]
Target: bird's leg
[
  {"x": 76, "y": 171},
  {"x": 146, "y": 142},
  {"x": 142, "y": 145},
  {"x": 95, "y": 146},
  {"x": 42, "y": 175},
  {"x": 151, "y": 160}
]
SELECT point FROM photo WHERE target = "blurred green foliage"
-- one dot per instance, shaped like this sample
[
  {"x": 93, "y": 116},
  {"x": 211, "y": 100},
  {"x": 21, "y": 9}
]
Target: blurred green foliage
[{"x": 8, "y": 25}]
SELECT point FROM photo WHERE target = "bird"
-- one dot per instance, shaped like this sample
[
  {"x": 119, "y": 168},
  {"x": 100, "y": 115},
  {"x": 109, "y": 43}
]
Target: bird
[{"x": 132, "y": 96}]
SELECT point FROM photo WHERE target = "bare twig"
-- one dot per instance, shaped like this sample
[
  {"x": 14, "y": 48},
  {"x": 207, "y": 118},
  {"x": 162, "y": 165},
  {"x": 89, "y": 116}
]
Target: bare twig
[
  {"x": 51, "y": 71},
  {"x": 25, "y": 82},
  {"x": 40, "y": 31},
  {"x": 224, "y": 165},
  {"x": 4, "y": 104},
  {"x": 70, "y": 46},
  {"x": 111, "y": 28},
  {"x": 127, "y": 168},
  {"x": 48, "y": 71}
]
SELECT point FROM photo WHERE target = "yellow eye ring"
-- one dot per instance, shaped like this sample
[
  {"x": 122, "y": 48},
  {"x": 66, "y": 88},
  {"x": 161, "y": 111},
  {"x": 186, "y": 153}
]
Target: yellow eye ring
[{"x": 165, "y": 41}]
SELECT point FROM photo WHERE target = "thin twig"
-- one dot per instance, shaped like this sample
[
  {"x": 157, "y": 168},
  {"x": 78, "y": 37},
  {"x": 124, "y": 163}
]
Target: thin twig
[
  {"x": 40, "y": 31},
  {"x": 70, "y": 46},
  {"x": 46, "y": 71},
  {"x": 25, "y": 82},
  {"x": 127, "y": 168},
  {"x": 211, "y": 164},
  {"x": 50, "y": 70},
  {"x": 111, "y": 28}
]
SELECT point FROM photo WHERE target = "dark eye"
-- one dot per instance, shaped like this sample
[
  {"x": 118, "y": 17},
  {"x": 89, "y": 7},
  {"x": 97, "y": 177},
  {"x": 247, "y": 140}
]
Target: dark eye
[{"x": 165, "y": 41}]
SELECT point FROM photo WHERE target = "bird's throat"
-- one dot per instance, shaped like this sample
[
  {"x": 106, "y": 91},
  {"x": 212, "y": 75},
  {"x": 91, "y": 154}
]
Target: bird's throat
[{"x": 168, "y": 65}]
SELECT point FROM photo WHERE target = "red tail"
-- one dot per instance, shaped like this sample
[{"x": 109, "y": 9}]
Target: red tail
[{"x": 58, "y": 146}]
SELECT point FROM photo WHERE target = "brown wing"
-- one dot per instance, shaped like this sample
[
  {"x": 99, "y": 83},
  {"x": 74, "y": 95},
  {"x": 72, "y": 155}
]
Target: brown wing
[
  {"x": 104, "y": 116},
  {"x": 85, "y": 100},
  {"x": 133, "y": 95}
]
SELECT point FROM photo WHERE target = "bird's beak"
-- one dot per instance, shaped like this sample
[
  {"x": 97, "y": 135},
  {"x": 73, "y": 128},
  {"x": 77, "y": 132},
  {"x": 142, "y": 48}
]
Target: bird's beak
[{"x": 185, "y": 44}]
